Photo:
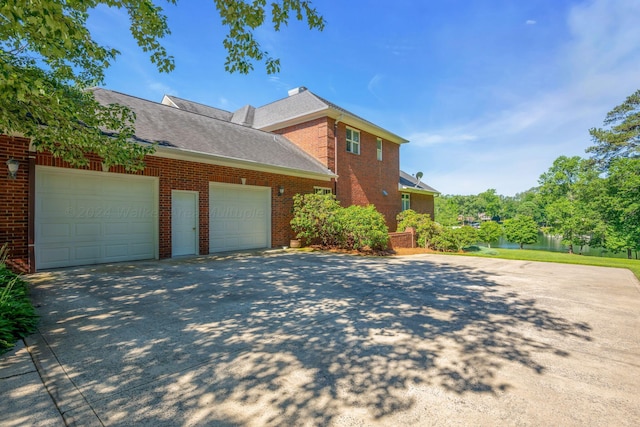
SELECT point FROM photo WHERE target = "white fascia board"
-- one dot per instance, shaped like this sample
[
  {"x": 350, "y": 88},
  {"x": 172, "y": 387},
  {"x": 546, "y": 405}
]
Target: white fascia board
[
  {"x": 405, "y": 189},
  {"x": 210, "y": 159},
  {"x": 344, "y": 117}
]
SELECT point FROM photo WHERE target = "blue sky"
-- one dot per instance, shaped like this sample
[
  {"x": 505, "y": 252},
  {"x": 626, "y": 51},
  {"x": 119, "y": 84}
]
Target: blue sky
[{"x": 489, "y": 92}]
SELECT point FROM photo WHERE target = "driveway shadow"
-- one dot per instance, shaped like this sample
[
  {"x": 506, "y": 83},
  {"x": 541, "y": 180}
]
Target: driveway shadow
[{"x": 285, "y": 339}]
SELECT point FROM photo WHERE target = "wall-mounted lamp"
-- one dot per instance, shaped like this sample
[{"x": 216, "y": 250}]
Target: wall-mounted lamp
[
  {"x": 281, "y": 190},
  {"x": 13, "y": 166},
  {"x": 243, "y": 181}
]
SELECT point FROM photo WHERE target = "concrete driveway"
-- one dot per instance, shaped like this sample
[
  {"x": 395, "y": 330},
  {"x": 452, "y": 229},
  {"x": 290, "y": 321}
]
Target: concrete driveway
[{"x": 321, "y": 339}]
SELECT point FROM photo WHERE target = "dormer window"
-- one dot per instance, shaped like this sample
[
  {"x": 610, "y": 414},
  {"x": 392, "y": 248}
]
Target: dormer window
[{"x": 353, "y": 141}]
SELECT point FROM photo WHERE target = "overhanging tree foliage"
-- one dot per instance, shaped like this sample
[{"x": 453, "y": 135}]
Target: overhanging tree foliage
[
  {"x": 622, "y": 137},
  {"x": 48, "y": 58}
]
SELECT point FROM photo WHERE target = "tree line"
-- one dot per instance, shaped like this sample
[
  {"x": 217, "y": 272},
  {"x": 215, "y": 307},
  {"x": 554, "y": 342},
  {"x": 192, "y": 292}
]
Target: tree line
[{"x": 592, "y": 200}]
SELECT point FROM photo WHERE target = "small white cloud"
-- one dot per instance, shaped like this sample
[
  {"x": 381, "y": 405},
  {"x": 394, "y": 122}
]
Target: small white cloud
[
  {"x": 223, "y": 101},
  {"x": 162, "y": 88},
  {"x": 531, "y": 22},
  {"x": 425, "y": 139}
]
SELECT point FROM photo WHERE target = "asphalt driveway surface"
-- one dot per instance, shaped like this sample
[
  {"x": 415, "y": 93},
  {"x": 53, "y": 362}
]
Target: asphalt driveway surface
[{"x": 321, "y": 339}]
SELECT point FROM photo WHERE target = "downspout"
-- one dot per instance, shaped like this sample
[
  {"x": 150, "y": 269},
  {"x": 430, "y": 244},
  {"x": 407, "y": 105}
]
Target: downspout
[{"x": 335, "y": 154}]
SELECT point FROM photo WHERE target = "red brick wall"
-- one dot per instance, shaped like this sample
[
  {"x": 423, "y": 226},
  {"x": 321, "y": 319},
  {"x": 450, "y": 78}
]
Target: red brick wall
[
  {"x": 423, "y": 203},
  {"x": 405, "y": 239},
  {"x": 172, "y": 175},
  {"x": 14, "y": 201},
  {"x": 315, "y": 137},
  {"x": 362, "y": 178}
]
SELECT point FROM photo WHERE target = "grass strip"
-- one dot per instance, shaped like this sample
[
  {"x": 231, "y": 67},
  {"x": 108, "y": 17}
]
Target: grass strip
[{"x": 558, "y": 257}]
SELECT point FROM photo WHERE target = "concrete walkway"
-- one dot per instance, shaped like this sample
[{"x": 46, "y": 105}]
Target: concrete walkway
[{"x": 318, "y": 339}]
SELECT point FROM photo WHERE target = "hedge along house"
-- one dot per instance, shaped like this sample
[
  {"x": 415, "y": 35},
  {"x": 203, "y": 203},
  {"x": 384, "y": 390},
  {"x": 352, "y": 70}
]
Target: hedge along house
[
  {"x": 364, "y": 156},
  {"x": 212, "y": 185}
]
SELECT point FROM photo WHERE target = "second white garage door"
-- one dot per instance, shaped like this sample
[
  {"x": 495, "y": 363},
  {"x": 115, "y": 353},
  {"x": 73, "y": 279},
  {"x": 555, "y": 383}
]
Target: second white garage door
[{"x": 239, "y": 217}]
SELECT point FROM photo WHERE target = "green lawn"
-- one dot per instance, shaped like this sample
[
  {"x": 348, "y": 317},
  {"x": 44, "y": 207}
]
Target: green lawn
[{"x": 563, "y": 258}]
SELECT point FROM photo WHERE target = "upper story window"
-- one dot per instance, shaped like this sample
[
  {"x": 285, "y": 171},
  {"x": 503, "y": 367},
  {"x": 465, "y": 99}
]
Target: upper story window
[
  {"x": 353, "y": 141},
  {"x": 379, "y": 149},
  {"x": 322, "y": 190},
  {"x": 406, "y": 201}
]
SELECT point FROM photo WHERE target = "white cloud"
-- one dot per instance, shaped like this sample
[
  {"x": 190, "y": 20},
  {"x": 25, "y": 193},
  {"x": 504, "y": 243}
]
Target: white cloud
[
  {"x": 425, "y": 139},
  {"x": 373, "y": 84},
  {"x": 531, "y": 22}
]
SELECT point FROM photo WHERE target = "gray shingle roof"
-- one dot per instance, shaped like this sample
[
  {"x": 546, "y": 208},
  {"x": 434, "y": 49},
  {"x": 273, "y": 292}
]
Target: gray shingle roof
[
  {"x": 304, "y": 103},
  {"x": 410, "y": 181},
  {"x": 194, "y": 107},
  {"x": 183, "y": 130}
]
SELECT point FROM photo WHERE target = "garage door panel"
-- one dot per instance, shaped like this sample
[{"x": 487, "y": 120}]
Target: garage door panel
[
  {"x": 240, "y": 217},
  {"x": 87, "y": 217}
]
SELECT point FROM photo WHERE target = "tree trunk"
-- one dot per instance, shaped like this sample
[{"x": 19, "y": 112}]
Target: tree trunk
[
  {"x": 521, "y": 245},
  {"x": 571, "y": 248},
  {"x": 629, "y": 253}
]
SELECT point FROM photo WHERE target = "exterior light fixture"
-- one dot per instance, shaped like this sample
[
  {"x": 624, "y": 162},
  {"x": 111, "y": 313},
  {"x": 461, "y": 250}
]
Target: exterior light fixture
[
  {"x": 13, "y": 165},
  {"x": 243, "y": 181},
  {"x": 281, "y": 190}
]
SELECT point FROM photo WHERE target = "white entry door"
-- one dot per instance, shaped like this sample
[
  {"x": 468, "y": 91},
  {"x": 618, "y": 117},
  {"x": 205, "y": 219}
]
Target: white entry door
[{"x": 184, "y": 223}]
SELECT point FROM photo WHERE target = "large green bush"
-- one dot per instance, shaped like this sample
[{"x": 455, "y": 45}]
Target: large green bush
[
  {"x": 315, "y": 219},
  {"x": 319, "y": 219},
  {"x": 364, "y": 227},
  {"x": 426, "y": 229},
  {"x": 454, "y": 239}
]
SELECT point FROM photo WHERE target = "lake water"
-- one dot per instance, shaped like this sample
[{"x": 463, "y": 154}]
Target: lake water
[{"x": 547, "y": 242}]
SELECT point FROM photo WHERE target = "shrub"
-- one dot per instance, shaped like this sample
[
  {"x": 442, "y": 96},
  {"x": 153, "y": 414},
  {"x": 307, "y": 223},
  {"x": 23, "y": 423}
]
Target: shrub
[
  {"x": 363, "y": 227},
  {"x": 17, "y": 316},
  {"x": 452, "y": 239},
  {"x": 425, "y": 228},
  {"x": 319, "y": 219},
  {"x": 315, "y": 219}
]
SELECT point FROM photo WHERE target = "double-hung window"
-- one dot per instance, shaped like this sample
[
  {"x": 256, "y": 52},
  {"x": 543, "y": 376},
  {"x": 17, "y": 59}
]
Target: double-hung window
[
  {"x": 379, "y": 149},
  {"x": 406, "y": 201},
  {"x": 353, "y": 141}
]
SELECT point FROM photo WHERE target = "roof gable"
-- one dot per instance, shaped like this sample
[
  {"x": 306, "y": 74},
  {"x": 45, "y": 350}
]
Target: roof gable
[{"x": 303, "y": 105}]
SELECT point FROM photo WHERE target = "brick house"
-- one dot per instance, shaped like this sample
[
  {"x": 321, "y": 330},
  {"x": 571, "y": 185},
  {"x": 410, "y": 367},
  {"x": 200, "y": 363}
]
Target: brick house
[
  {"x": 364, "y": 156},
  {"x": 218, "y": 181}
]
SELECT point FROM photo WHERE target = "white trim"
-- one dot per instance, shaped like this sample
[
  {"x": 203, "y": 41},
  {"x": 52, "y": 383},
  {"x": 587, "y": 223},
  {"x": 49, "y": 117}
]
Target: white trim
[
  {"x": 405, "y": 189},
  {"x": 334, "y": 114},
  {"x": 199, "y": 157}
]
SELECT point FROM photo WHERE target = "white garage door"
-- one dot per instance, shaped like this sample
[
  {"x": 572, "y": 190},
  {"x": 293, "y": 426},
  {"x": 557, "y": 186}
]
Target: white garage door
[
  {"x": 87, "y": 217},
  {"x": 239, "y": 217}
]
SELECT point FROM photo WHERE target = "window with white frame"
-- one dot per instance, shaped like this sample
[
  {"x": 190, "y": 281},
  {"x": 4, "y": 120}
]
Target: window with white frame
[
  {"x": 322, "y": 190},
  {"x": 353, "y": 141},
  {"x": 379, "y": 149},
  {"x": 406, "y": 201}
]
